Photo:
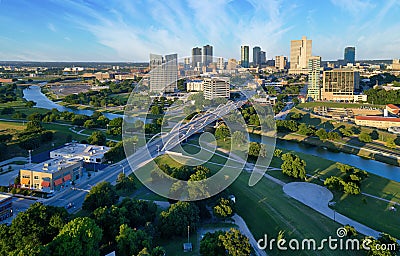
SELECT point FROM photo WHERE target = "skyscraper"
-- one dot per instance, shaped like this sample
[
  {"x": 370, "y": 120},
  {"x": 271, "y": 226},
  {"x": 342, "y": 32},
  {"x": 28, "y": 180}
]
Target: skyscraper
[
  {"x": 263, "y": 57},
  {"x": 280, "y": 62},
  {"x": 220, "y": 63},
  {"x": 244, "y": 56},
  {"x": 314, "y": 71},
  {"x": 196, "y": 57},
  {"x": 350, "y": 54},
  {"x": 300, "y": 52},
  {"x": 256, "y": 56},
  {"x": 164, "y": 73},
  {"x": 207, "y": 55}
]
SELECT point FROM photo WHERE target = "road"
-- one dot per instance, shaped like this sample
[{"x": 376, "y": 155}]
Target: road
[{"x": 139, "y": 159}]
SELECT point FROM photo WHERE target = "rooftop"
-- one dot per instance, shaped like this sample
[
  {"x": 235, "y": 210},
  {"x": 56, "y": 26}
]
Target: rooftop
[
  {"x": 55, "y": 164},
  {"x": 392, "y": 106},
  {"x": 80, "y": 149},
  {"x": 378, "y": 118}
]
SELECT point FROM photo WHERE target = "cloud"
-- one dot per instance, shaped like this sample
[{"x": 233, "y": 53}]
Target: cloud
[
  {"x": 354, "y": 7},
  {"x": 51, "y": 27}
]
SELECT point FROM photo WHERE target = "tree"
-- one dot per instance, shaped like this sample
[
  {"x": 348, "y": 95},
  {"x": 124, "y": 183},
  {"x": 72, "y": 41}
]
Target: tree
[
  {"x": 89, "y": 124},
  {"x": 139, "y": 212},
  {"x": 305, "y": 129},
  {"x": 293, "y": 166},
  {"x": 79, "y": 120},
  {"x": 97, "y": 138},
  {"x": 254, "y": 149},
  {"x": 334, "y": 183},
  {"x": 131, "y": 242},
  {"x": 364, "y": 137},
  {"x": 156, "y": 110},
  {"x": 81, "y": 236},
  {"x": 210, "y": 244},
  {"x": 235, "y": 243},
  {"x": 102, "y": 194},
  {"x": 238, "y": 138},
  {"x": 33, "y": 126},
  {"x": 390, "y": 143},
  {"x": 30, "y": 104},
  {"x": 222, "y": 132},
  {"x": 322, "y": 134},
  {"x": 109, "y": 220},
  {"x": 224, "y": 208},
  {"x": 178, "y": 217},
  {"x": 277, "y": 152},
  {"x": 125, "y": 183}
]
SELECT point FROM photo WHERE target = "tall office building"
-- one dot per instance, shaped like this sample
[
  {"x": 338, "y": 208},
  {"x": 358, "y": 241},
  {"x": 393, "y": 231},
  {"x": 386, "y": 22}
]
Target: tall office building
[
  {"x": 300, "y": 52},
  {"x": 207, "y": 55},
  {"x": 232, "y": 64},
  {"x": 216, "y": 87},
  {"x": 339, "y": 84},
  {"x": 220, "y": 63},
  {"x": 350, "y": 54},
  {"x": 256, "y": 56},
  {"x": 196, "y": 57},
  {"x": 280, "y": 62},
  {"x": 244, "y": 56},
  {"x": 164, "y": 73},
  {"x": 263, "y": 57},
  {"x": 314, "y": 72}
]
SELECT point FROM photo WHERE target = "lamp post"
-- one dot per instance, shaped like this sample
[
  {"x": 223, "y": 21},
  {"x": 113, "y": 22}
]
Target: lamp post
[{"x": 123, "y": 168}]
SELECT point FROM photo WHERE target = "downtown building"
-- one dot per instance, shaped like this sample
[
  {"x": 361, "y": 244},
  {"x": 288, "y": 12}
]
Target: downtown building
[
  {"x": 207, "y": 55},
  {"x": 350, "y": 54},
  {"x": 196, "y": 57},
  {"x": 314, "y": 73},
  {"x": 280, "y": 62},
  {"x": 300, "y": 53},
  {"x": 163, "y": 73},
  {"x": 339, "y": 85},
  {"x": 244, "y": 56},
  {"x": 216, "y": 87}
]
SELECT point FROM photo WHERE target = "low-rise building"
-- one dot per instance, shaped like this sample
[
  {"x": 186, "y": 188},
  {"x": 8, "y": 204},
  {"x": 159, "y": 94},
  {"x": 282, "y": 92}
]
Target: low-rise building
[
  {"x": 393, "y": 109},
  {"x": 89, "y": 153},
  {"x": 194, "y": 85},
  {"x": 360, "y": 97},
  {"x": 5, "y": 207},
  {"x": 377, "y": 122},
  {"x": 340, "y": 84},
  {"x": 52, "y": 174}
]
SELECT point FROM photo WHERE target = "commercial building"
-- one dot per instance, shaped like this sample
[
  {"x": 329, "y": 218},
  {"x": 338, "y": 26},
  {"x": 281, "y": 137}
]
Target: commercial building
[
  {"x": 195, "y": 85},
  {"x": 393, "y": 109},
  {"x": 51, "y": 174},
  {"x": 314, "y": 72},
  {"x": 196, "y": 57},
  {"x": 350, "y": 54},
  {"x": 216, "y": 87},
  {"x": 220, "y": 63},
  {"x": 339, "y": 84},
  {"x": 360, "y": 97},
  {"x": 300, "y": 52},
  {"x": 280, "y": 62},
  {"x": 232, "y": 64},
  {"x": 256, "y": 56},
  {"x": 88, "y": 153},
  {"x": 207, "y": 55},
  {"x": 164, "y": 73},
  {"x": 263, "y": 57},
  {"x": 377, "y": 122},
  {"x": 5, "y": 207},
  {"x": 396, "y": 64},
  {"x": 244, "y": 56}
]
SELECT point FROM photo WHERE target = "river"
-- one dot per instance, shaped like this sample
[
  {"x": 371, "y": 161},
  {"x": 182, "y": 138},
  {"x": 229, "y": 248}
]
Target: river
[
  {"x": 381, "y": 169},
  {"x": 388, "y": 171},
  {"x": 34, "y": 94}
]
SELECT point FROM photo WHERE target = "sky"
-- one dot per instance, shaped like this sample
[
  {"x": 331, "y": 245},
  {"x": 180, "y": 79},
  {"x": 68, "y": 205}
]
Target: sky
[{"x": 129, "y": 30}]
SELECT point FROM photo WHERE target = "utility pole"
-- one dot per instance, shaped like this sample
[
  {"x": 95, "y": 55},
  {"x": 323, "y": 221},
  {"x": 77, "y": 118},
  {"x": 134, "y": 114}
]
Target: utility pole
[
  {"x": 30, "y": 156},
  {"x": 188, "y": 233}
]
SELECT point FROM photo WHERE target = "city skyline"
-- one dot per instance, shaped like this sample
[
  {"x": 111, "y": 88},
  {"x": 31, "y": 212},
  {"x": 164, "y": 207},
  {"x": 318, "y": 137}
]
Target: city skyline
[{"x": 56, "y": 30}]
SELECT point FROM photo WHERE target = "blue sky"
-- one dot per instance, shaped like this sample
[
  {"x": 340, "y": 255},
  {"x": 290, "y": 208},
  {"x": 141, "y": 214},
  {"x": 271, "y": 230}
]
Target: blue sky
[{"x": 128, "y": 30}]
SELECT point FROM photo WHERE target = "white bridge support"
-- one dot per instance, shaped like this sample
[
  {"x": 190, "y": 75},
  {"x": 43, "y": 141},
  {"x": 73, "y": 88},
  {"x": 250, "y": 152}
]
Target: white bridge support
[{"x": 181, "y": 132}]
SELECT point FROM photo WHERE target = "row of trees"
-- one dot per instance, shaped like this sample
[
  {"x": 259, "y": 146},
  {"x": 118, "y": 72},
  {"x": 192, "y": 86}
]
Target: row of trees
[{"x": 349, "y": 182}]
